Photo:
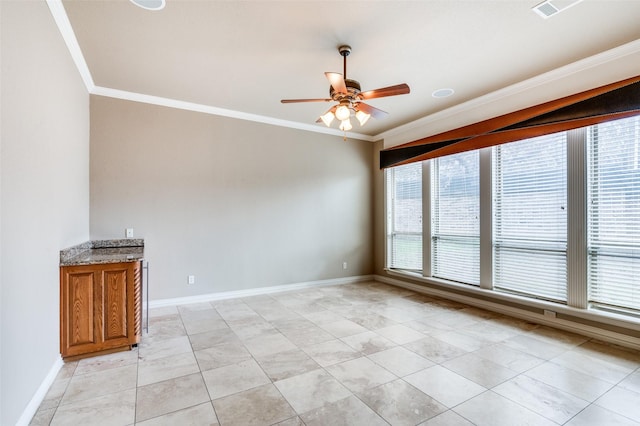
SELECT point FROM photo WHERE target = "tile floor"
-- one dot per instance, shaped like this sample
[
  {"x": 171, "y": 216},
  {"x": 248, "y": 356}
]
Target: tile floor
[{"x": 361, "y": 354}]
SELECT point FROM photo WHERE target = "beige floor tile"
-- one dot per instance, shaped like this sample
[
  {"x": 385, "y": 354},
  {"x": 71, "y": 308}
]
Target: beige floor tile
[
  {"x": 444, "y": 385},
  {"x": 557, "y": 337},
  {"x": 208, "y": 339},
  {"x": 164, "y": 348},
  {"x": 311, "y": 390},
  {"x": 287, "y": 364},
  {"x": 507, "y": 357},
  {"x": 238, "y": 311},
  {"x": 368, "y": 342},
  {"x": 115, "y": 409},
  {"x": 42, "y": 417},
  {"x": 400, "y": 361},
  {"x": 399, "y": 403},
  {"x": 307, "y": 336},
  {"x": 541, "y": 398},
  {"x": 160, "y": 369},
  {"x": 594, "y": 415},
  {"x": 621, "y": 401},
  {"x": 322, "y": 317},
  {"x": 165, "y": 327},
  {"x": 360, "y": 374},
  {"x": 538, "y": 348},
  {"x": 464, "y": 341},
  {"x": 632, "y": 382},
  {"x": 234, "y": 378},
  {"x": 194, "y": 307},
  {"x": 202, "y": 414},
  {"x": 490, "y": 409},
  {"x": 623, "y": 357},
  {"x": 384, "y": 333},
  {"x": 106, "y": 362},
  {"x": 576, "y": 383},
  {"x": 263, "y": 405},
  {"x": 249, "y": 329},
  {"x": 54, "y": 394},
  {"x": 435, "y": 350},
  {"x": 221, "y": 355},
  {"x": 91, "y": 385},
  {"x": 482, "y": 371},
  {"x": 489, "y": 332},
  {"x": 293, "y": 421},
  {"x": 400, "y": 334},
  {"x": 345, "y": 412},
  {"x": 204, "y": 325},
  {"x": 163, "y": 311},
  {"x": 268, "y": 345},
  {"x": 331, "y": 352},
  {"x": 342, "y": 328},
  {"x": 596, "y": 367},
  {"x": 171, "y": 395},
  {"x": 448, "y": 418},
  {"x": 207, "y": 312},
  {"x": 372, "y": 321}
]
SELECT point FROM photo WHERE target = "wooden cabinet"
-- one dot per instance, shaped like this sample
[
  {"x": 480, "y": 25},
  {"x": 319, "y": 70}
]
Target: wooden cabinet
[{"x": 100, "y": 308}]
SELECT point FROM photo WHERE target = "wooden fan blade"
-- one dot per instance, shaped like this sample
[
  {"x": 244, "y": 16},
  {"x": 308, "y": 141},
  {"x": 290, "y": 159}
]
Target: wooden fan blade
[
  {"x": 398, "y": 89},
  {"x": 337, "y": 81},
  {"x": 374, "y": 112},
  {"x": 293, "y": 101}
]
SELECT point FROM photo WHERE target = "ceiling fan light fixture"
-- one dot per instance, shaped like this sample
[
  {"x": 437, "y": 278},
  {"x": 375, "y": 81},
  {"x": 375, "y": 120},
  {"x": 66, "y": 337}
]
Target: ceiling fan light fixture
[
  {"x": 343, "y": 113},
  {"x": 327, "y": 118},
  {"x": 345, "y": 125},
  {"x": 150, "y": 4},
  {"x": 362, "y": 117}
]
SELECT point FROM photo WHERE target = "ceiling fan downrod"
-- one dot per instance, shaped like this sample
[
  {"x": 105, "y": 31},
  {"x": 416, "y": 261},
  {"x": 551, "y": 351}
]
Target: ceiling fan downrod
[{"x": 344, "y": 51}]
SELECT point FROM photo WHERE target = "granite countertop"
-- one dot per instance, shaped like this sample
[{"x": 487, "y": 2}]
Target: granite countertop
[{"x": 103, "y": 251}]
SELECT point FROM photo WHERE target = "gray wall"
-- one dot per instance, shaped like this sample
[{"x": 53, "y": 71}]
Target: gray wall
[
  {"x": 238, "y": 204},
  {"x": 44, "y": 196}
]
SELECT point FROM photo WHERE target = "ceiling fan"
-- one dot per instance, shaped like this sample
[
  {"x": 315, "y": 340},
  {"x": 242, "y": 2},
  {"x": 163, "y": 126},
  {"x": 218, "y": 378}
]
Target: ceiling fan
[{"x": 349, "y": 96}]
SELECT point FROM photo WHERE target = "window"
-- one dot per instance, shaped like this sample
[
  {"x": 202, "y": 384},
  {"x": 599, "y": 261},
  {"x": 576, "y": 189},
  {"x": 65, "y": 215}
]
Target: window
[
  {"x": 614, "y": 214},
  {"x": 560, "y": 217},
  {"x": 455, "y": 216},
  {"x": 404, "y": 217},
  {"x": 530, "y": 217}
]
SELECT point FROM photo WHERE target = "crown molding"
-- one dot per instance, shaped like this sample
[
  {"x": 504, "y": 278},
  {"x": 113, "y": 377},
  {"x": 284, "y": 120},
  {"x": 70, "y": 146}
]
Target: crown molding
[
  {"x": 190, "y": 106},
  {"x": 392, "y": 137},
  {"x": 64, "y": 26}
]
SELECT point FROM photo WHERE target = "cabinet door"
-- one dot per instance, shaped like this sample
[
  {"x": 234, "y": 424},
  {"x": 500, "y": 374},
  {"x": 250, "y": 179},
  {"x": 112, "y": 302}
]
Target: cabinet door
[{"x": 80, "y": 304}]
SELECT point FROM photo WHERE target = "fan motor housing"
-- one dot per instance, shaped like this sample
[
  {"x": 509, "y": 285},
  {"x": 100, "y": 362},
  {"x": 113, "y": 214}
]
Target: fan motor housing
[{"x": 353, "y": 87}]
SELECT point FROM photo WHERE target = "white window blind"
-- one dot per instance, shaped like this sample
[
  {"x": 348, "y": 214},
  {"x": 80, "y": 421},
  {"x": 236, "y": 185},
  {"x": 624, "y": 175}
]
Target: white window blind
[
  {"x": 530, "y": 217},
  {"x": 614, "y": 214},
  {"x": 404, "y": 217},
  {"x": 455, "y": 218}
]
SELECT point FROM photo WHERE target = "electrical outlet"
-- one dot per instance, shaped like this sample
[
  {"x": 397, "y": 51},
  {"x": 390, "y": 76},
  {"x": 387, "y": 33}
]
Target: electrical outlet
[
  {"x": 344, "y": 265},
  {"x": 191, "y": 279},
  {"x": 129, "y": 232}
]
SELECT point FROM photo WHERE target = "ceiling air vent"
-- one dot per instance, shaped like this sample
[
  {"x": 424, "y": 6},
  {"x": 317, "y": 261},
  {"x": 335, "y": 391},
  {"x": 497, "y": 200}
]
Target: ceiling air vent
[{"x": 549, "y": 8}]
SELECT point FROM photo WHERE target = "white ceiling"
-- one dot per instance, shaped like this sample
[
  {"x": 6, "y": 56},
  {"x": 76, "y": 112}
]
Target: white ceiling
[{"x": 245, "y": 56}]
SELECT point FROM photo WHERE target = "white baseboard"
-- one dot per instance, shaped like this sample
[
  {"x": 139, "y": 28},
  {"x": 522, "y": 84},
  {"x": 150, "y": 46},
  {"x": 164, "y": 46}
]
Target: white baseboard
[
  {"x": 575, "y": 327},
  {"x": 256, "y": 291},
  {"x": 32, "y": 407}
]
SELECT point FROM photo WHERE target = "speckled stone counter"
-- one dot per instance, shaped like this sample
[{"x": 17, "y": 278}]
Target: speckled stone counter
[{"x": 103, "y": 251}]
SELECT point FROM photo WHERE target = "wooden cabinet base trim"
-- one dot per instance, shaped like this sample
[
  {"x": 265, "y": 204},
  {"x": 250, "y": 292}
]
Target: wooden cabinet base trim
[{"x": 96, "y": 353}]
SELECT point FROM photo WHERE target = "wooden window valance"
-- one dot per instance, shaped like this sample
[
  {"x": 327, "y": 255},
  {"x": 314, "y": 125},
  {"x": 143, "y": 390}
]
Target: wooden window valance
[{"x": 610, "y": 102}]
